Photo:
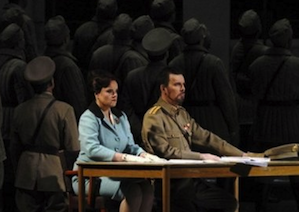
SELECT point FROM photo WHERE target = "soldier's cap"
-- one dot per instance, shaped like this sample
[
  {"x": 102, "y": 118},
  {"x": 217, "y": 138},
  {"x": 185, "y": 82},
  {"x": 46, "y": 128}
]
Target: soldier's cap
[
  {"x": 56, "y": 31},
  {"x": 250, "y": 23},
  {"x": 281, "y": 33},
  {"x": 11, "y": 35},
  {"x": 141, "y": 25},
  {"x": 161, "y": 8},
  {"x": 283, "y": 151},
  {"x": 157, "y": 41},
  {"x": 14, "y": 14},
  {"x": 122, "y": 26},
  {"x": 193, "y": 32},
  {"x": 40, "y": 70},
  {"x": 107, "y": 8}
]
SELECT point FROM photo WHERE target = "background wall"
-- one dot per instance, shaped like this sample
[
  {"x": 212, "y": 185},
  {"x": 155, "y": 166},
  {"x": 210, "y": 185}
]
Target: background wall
[{"x": 215, "y": 14}]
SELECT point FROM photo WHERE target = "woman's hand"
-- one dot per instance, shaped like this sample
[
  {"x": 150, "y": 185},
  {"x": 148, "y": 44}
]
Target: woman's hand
[{"x": 153, "y": 158}]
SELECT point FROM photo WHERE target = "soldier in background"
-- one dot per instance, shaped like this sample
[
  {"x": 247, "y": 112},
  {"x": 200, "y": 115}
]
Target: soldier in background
[
  {"x": 245, "y": 51},
  {"x": 117, "y": 58},
  {"x": 210, "y": 98},
  {"x": 2, "y": 158},
  {"x": 35, "y": 146},
  {"x": 70, "y": 85},
  {"x": 275, "y": 88},
  {"x": 163, "y": 13},
  {"x": 140, "y": 27},
  {"x": 141, "y": 89},
  {"x": 94, "y": 33},
  {"x": 14, "y": 90},
  {"x": 14, "y": 13}
]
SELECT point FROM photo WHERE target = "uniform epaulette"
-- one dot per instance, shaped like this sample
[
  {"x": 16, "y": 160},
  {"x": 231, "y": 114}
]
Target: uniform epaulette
[{"x": 154, "y": 110}]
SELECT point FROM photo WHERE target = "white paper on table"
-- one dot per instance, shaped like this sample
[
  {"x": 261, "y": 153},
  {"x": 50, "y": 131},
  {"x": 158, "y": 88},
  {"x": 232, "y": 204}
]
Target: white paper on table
[
  {"x": 255, "y": 161},
  {"x": 186, "y": 161}
]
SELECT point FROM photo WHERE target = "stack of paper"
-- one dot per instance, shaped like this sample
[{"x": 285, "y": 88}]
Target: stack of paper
[{"x": 255, "y": 161}]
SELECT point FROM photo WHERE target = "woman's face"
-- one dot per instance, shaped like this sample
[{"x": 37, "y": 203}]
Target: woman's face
[{"x": 107, "y": 97}]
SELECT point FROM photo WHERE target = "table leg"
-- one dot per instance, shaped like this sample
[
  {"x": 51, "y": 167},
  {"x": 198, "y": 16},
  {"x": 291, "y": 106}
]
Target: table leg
[
  {"x": 81, "y": 190},
  {"x": 236, "y": 191},
  {"x": 166, "y": 189}
]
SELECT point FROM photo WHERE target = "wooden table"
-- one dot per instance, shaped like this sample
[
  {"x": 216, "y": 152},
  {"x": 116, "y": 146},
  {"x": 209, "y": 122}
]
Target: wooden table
[{"x": 167, "y": 171}]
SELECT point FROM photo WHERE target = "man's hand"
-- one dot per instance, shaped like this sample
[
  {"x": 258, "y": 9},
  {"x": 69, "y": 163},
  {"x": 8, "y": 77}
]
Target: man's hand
[{"x": 207, "y": 156}]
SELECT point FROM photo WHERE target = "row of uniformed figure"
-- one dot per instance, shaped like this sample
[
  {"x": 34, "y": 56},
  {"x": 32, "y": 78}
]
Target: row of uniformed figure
[{"x": 136, "y": 51}]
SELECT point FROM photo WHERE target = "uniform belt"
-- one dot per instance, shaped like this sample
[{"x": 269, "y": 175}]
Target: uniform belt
[
  {"x": 200, "y": 103},
  {"x": 279, "y": 103},
  {"x": 44, "y": 150}
]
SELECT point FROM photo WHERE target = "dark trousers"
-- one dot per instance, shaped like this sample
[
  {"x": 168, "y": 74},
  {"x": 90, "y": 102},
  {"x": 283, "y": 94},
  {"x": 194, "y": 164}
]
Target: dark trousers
[
  {"x": 196, "y": 195},
  {"x": 40, "y": 201}
]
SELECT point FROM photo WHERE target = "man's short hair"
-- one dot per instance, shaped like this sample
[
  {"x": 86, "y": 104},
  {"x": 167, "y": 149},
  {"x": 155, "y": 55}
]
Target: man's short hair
[{"x": 164, "y": 75}]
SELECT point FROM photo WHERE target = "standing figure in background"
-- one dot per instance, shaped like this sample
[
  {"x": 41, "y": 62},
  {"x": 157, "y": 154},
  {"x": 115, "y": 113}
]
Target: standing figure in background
[
  {"x": 2, "y": 158},
  {"x": 98, "y": 28},
  {"x": 209, "y": 96},
  {"x": 163, "y": 13},
  {"x": 275, "y": 87},
  {"x": 140, "y": 27},
  {"x": 14, "y": 90},
  {"x": 141, "y": 89},
  {"x": 70, "y": 85},
  {"x": 104, "y": 135},
  {"x": 245, "y": 51},
  {"x": 117, "y": 57},
  {"x": 14, "y": 13},
  {"x": 35, "y": 146}
]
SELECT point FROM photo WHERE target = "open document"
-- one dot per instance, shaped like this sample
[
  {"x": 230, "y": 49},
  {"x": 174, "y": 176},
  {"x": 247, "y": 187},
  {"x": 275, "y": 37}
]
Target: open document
[{"x": 255, "y": 161}]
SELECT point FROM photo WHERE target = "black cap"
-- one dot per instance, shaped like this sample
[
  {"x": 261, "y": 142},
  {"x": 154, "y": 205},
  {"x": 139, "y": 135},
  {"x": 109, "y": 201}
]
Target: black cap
[
  {"x": 11, "y": 36},
  {"x": 162, "y": 8},
  {"x": 193, "y": 32},
  {"x": 56, "y": 30},
  {"x": 122, "y": 26},
  {"x": 142, "y": 25},
  {"x": 157, "y": 41},
  {"x": 281, "y": 33},
  {"x": 250, "y": 23},
  {"x": 40, "y": 70},
  {"x": 107, "y": 9}
]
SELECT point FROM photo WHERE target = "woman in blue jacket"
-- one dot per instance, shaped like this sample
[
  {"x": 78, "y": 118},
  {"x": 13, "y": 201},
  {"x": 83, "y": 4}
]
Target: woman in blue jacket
[{"x": 104, "y": 134}]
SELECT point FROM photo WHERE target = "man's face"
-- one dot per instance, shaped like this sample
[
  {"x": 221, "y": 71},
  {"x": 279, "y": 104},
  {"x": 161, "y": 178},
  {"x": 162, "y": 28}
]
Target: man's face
[{"x": 174, "y": 93}]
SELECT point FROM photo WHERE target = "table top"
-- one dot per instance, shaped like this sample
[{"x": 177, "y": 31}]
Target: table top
[{"x": 173, "y": 164}]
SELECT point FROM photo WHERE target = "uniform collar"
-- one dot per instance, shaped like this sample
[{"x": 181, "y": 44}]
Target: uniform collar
[
  {"x": 278, "y": 51},
  {"x": 96, "y": 110},
  {"x": 196, "y": 47},
  {"x": 170, "y": 109}
]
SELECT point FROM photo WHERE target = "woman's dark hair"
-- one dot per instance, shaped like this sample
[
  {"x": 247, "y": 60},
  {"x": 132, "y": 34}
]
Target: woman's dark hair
[{"x": 99, "y": 81}]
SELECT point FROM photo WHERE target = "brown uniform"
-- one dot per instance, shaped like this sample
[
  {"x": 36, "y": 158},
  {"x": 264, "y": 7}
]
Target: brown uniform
[
  {"x": 170, "y": 132},
  {"x": 163, "y": 134}
]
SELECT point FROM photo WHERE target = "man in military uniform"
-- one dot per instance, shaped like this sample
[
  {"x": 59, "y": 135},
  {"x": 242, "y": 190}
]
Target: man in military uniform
[
  {"x": 169, "y": 132},
  {"x": 2, "y": 158},
  {"x": 41, "y": 127},
  {"x": 94, "y": 33},
  {"x": 163, "y": 13},
  {"x": 275, "y": 88},
  {"x": 244, "y": 52},
  {"x": 141, "y": 89},
  {"x": 210, "y": 98},
  {"x": 14, "y": 90},
  {"x": 68, "y": 76}
]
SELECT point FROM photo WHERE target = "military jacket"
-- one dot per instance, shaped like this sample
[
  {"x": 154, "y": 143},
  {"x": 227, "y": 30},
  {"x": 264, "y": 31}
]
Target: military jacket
[
  {"x": 170, "y": 132},
  {"x": 39, "y": 170}
]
